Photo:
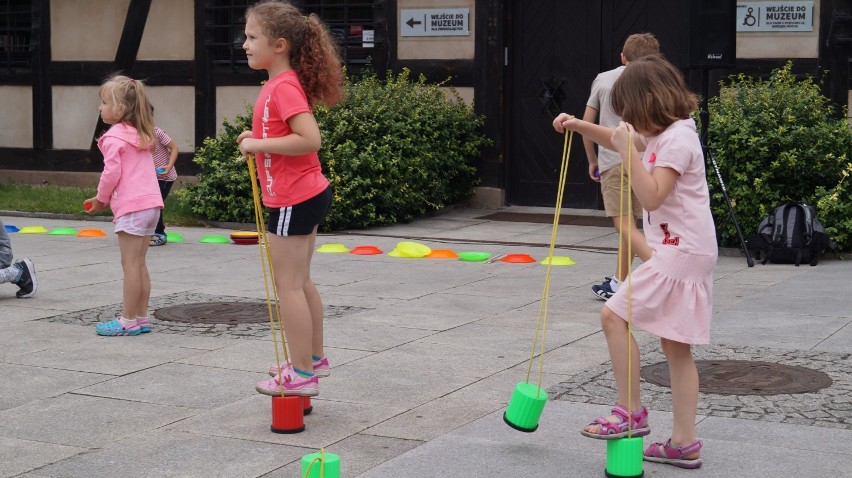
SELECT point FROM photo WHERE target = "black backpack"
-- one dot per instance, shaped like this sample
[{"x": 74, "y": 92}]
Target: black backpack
[{"x": 791, "y": 234}]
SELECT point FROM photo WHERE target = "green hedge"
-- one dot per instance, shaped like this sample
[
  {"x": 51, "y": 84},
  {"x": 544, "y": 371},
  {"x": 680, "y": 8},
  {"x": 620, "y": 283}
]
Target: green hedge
[
  {"x": 779, "y": 139},
  {"x": 394, "y": 150}
]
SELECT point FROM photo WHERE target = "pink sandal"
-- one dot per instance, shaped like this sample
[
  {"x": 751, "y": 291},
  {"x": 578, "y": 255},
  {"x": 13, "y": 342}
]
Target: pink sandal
[
  {"x": 666, "y": 453},
  {"x": 613, "y": 430}
]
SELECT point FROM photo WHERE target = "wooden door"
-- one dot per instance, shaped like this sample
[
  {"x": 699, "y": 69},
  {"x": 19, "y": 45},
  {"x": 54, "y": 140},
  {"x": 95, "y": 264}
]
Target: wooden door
[{"x": 556, "y": 48}]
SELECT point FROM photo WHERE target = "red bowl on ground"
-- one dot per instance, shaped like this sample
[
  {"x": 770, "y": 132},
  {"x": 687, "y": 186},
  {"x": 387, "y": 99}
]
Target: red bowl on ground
[
  {"x": 365, "y": 250},
  {"x": 518, "y": 258}
]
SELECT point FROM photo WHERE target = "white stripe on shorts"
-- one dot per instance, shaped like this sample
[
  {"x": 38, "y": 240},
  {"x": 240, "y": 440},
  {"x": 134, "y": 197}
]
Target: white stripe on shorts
[{"x": 284, "y": 220}]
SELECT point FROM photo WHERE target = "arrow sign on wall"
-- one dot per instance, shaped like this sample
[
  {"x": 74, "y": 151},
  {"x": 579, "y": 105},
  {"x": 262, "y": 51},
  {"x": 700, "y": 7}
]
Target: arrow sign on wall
[{"x": 411, "y": 22}]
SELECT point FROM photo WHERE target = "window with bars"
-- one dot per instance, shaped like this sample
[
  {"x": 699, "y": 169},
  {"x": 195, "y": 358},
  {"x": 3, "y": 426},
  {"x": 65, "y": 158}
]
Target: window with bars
[
  {"x": 16, "y": 33},
  {"x": 352, "y": 23}
]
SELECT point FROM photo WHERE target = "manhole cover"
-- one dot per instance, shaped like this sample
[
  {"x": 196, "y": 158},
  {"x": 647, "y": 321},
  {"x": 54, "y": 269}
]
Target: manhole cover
[
  {"x": 216, "y": 313},
  {"x": 743, "y": 377}
]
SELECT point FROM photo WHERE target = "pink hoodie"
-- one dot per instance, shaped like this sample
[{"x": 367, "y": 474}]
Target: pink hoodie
[{"x": 129, "y": 181}]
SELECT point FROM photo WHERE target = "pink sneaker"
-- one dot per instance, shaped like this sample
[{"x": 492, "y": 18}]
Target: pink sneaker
[
  {"x": 289, "y": 383},
  {"x": 321, "y": 368}
]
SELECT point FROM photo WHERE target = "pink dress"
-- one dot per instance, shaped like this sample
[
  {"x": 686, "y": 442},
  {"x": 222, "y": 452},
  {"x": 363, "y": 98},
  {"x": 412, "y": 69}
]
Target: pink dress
[{"x": 672, "y": 294}]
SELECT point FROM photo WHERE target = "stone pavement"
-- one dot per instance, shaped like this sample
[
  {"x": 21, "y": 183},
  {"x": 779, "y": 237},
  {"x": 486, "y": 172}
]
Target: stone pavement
[{"x": 425, "y": 354}]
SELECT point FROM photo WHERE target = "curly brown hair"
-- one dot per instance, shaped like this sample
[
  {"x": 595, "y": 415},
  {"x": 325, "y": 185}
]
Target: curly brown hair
[{"x": 313, "y": 51}]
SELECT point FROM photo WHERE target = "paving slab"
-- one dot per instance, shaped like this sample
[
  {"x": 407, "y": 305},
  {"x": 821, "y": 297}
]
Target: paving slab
[
  {"x": 488, "y": 447},
  {"x": 425, "y": 356},
  {"x": 86, "y": 422},
  {"x": 20, "y": 456},
  {"x": 169, "y": 453}
]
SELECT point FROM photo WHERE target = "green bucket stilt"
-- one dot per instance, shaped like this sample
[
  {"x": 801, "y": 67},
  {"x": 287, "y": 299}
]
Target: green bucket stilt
[
  {"x": 624, "y": 458},
  {"x": 525, "y": 407},
  {"x": 321, "y": 465}
]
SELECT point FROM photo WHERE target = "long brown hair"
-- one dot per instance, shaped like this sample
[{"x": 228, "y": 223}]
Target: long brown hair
[
  {"x": 129, "y": 95},
  {"x": 651, "y": 95},
  {"x": 313, "y": 52}
]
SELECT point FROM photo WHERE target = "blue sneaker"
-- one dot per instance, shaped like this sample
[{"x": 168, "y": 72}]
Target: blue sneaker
[
  {"x": 606, "y": 289},
  {"x": 27, "y": 282}
]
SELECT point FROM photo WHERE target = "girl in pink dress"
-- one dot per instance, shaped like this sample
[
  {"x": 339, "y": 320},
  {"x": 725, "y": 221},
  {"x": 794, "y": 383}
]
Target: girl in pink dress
[{"x": 672, "y": 293}]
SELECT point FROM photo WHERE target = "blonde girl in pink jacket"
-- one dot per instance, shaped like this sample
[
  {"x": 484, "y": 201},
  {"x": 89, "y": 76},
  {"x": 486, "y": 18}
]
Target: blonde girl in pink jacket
[{"x": 129, "y": 187}]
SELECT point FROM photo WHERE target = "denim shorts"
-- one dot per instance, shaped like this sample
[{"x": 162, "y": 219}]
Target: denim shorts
[{"x": 138, "y": 223}]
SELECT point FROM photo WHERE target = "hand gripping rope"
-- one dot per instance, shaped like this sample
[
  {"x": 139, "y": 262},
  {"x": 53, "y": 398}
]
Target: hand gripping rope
[
  {"x": 528, "y": 400},
  {"x": 275, "y": 323}
]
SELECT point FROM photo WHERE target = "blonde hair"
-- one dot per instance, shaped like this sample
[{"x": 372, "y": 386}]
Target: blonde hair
[
  {"x": 651, "y": 95},
  {"x": 129, "y": 98},
  {"x": 639, "y": 45},
  {"x": 313, "y": 52}
]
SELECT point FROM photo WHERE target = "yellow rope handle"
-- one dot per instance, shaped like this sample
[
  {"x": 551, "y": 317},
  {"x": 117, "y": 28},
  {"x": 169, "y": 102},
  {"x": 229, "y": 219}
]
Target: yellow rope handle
[
  {"x": 629, "y": 283},
  {"x": 541, "y": 322},
  {"x": 266, "y": 265},
  {"x": 321, "y": 460}
]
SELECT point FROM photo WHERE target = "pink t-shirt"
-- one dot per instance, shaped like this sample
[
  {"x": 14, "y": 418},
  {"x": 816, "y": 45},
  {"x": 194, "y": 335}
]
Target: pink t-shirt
[
  {"x": 285, "y": 180},
  {"x": 683, "y": 220}
]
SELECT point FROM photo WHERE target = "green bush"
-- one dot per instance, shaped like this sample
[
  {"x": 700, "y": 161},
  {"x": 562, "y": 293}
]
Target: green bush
[
  {"x": 394, "y": 150},
  {"x": 223, "y": 192},
  {"x": 774, "y": 140}
]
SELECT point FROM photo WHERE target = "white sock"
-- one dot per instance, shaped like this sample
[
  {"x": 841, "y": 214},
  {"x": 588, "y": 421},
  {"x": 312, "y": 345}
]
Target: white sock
[
  {"x": 12, "y": 273},
  {"x": 613, "y": 284}
]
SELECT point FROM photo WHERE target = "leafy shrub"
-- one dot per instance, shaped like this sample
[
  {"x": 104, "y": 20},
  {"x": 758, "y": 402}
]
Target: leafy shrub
[
  {"x": 394, "y": 150},
  {"x": 223, "y": 192},
  {"x": 775, "y": 140}
]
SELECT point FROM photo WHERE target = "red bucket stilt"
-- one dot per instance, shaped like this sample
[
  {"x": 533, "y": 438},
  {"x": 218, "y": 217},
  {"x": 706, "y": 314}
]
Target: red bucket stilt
[
  {"x": 287, "y": 414},
  {"x": 306, "y": 404}
]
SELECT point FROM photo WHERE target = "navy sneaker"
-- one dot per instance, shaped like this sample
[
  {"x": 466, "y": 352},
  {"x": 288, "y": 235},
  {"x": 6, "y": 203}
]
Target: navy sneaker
[
  {"x": 606, "y": 289},
  {"x": 27, "y": 282}
]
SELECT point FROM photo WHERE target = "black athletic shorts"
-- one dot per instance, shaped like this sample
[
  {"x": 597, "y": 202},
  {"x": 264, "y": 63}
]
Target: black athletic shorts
[{"x": 299, "y": 220}]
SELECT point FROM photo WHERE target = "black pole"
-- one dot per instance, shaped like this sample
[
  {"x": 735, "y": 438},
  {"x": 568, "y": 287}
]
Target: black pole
[{"x": 704, "y": 114}]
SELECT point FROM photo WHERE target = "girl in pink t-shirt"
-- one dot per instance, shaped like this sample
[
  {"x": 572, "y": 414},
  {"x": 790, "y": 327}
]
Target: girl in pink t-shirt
[
  {"x": 129, "y": 187},
  {"x": 304, "y": 69},
  {"x": 672, "y": 293}
]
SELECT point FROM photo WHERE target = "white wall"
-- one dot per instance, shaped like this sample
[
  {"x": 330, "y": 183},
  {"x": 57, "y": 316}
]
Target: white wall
[
  {"x": 231, "y": 101},
  {"x": 86, "y": 29},
  {"x": 75, "y": 115},
  {"x": 16, "y": 121},
  {"x": 174, "y": 113},
  {"x": 169, "y": 31}
]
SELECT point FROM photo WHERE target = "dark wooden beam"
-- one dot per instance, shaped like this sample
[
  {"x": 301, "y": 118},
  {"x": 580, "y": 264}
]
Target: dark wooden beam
[
  {"x": 153, "y": 72},
  {"x": 125, "y": 55},
  {"x": 42, "y": 87},
  {"x": 71, "y": 160},
  {"x": 490, "y": 88},
  {"x": 205, "y": 88}
]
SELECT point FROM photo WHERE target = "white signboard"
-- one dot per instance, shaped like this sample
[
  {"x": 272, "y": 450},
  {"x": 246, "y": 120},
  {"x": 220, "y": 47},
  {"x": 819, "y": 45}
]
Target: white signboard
[
  {"x": 434, "y": 22},
  {"x": 775, "y": 17}
]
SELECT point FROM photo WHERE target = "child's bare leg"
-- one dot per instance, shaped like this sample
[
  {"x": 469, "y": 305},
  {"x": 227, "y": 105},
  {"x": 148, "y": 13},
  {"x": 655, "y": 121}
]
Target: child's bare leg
[
  {"x": 314, "y": 303},
  {"x": 617, "y": 337},
  {"x": 290, "y": 269},
  {"x": 639, "y": 248},
  {"x": 684, "y": 379},
  {"x": 137, "y": 283}
]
